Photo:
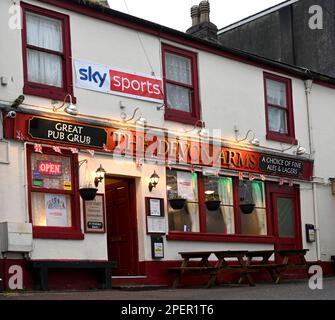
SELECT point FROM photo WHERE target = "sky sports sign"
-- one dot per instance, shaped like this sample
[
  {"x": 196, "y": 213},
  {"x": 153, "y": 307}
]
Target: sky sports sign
[{"x": 118, "y": 82}]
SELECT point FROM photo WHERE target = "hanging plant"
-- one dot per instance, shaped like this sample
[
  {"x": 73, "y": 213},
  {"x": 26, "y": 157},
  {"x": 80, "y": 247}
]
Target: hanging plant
[
  {"x": 212, "y": 202},
  {"x": 88, "y": 194},
  {"x": 247, "y": 204},
  {"x": 247, "y": 208},
  {"x": 176, "y": 201},
  {"x": 87, "y": 191}
]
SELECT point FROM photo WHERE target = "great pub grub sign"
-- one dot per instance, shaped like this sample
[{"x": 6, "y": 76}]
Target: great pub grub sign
[
  {"x": 66, "y": 132},
  {"x": 281, "y": 166}
]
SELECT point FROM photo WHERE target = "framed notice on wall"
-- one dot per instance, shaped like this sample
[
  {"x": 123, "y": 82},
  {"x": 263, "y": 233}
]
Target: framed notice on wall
[
  {"x": 94, "y": 215},
  {"x": 154, "y": 207},
  {"x": 155, "y": 216}
]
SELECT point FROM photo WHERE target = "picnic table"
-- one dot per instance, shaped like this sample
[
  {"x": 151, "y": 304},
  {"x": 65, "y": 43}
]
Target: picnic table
[
  {"x": 242, "y": 262},
  {"x": 223, "y": 262}
]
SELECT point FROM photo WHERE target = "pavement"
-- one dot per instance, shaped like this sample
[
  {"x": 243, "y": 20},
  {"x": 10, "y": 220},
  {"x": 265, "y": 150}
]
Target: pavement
[{"x": 288, "y": 290}]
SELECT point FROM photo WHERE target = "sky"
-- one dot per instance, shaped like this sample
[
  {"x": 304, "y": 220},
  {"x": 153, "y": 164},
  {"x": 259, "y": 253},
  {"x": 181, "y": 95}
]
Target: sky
[{"x": 176, "y": 13}]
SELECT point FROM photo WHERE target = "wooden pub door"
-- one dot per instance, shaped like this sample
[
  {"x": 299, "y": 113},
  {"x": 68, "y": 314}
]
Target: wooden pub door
[
  {"x": 285, "y": 206},
  {"x": 122, "y": 225}
]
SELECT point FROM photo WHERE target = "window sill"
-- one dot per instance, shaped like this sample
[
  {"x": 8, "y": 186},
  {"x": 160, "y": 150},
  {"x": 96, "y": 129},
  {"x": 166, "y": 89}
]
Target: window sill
[
  {"x": 57, "y": 233},
  {"x": 191, "y": 120},
  {"x": 281, "y": 138},
  {"x": 51, "y": 93},
  {"x": 207, "y": 237}
]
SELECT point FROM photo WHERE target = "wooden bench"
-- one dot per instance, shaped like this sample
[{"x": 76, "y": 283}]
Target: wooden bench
[
  {"x": 287, "y": 260},
  {"x": 102, "y": 268},
  {"x": 243, "y": 263},
  {"x": 202, "y": 267}
]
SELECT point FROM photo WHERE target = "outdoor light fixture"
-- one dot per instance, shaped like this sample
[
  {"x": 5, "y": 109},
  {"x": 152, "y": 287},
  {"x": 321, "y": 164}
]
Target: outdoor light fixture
[
  {"x": 254, "y": 141},
  {"x": 154, "y": 179},
  {"x": 100, "y": 174},
  {"x": 300, "y": 151},
  {"x": 70, "y": 109},
  {"x": 141, "y": 121},
  {"x": 203, "y": 133}
]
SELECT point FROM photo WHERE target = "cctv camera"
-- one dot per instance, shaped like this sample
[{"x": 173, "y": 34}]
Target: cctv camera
[{"x": 11, "y": 114}]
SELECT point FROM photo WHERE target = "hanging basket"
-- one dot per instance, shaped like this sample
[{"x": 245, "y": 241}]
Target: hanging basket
[
  {"x": 247, "y": 208},
  {"x": 88, "y": 194},
  {"x": 213, "y": 205},
  {"x": 177, "y": 204}
]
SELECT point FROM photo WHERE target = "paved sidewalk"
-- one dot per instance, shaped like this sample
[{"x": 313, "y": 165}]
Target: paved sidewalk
[{"x": 297, "y": 290}]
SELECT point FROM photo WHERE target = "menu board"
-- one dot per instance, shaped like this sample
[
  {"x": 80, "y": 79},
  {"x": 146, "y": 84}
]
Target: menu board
[{"x": 94, "y": 214}]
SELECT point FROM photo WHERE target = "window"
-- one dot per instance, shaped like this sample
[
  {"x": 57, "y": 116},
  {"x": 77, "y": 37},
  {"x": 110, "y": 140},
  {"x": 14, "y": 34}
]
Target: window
[
  {"x": 253, "y": 193},
  {"x": 183, "y": 186},
  {"x": 222, "y": 219},
  {"x": 214, "y": 206},
  {"x": 180, "y": 85},
  {"x": 279, "y": 109},
  {"x": 53, "y": 193},
  {"x": 46, "y": 53}
]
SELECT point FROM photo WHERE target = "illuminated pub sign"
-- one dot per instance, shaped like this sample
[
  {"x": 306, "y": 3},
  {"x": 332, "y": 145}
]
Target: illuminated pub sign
[
  {"x": 156, "y": 145},
  {"x": 183, "y": 150},
  {"x": 50, "y": 168},
  {"x": 66, "y": 132}
]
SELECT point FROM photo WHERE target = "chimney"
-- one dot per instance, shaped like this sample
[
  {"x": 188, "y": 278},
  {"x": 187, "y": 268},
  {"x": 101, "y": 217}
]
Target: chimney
[
  {"x": 195, "y": 15},
  {"x": 103, "y": 3},
  {"x": 204, "y": 9},
  {"x": 201, "y": 25}
]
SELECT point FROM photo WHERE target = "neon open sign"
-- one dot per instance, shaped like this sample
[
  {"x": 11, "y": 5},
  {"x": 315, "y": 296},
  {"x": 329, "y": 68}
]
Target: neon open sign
[{"x": 50, "y": 168}]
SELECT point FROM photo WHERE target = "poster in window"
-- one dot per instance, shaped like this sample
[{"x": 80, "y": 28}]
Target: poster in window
[
  {"x": 185, "y": 186},
  {"x": 56, "y": 210},
  {"x": 94, "y": 215}
]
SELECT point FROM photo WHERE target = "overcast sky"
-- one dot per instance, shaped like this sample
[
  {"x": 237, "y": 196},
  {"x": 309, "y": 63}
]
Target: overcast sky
[{"x": 176, "y": 13}]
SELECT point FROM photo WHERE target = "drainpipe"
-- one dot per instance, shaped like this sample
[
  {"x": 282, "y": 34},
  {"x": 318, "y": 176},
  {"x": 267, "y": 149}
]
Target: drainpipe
[
  {"x": 25, "y": 186},
  {"x": 308, "y": 91}
]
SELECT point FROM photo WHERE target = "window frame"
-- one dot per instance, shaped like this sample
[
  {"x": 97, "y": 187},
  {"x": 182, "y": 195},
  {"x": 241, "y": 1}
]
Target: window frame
[
  {"x": 288, "y": 137},
  {"x": 176, "y": 115},
  {"x": 74, "y": 232},
  {"x": 39, "y": 89},
  {"x": 203, "y": 235}
]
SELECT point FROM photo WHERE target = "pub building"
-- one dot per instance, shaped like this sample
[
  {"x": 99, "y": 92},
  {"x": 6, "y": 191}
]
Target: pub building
[{"x": 111, "y": 165}]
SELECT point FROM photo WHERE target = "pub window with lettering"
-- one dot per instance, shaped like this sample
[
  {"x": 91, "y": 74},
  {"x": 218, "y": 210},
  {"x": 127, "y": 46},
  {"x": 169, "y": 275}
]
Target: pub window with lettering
[
  {"x": 46, "y": 53},
  {"x": 215, "y": 205},
  {"x": 53, "y": 193}
]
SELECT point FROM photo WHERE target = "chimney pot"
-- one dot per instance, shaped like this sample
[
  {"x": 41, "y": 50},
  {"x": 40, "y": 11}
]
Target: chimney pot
[
  {"x": 195, "y": 15},
  {"x": 204, "y": 9},
  {"x": 103, "y": 3}
]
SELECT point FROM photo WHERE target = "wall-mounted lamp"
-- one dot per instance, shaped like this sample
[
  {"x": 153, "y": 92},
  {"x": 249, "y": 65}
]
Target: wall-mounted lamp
[
  {"x": 100, "y": 174},
  {"x": 70, "y": 109},
  {"x": 300, "y": 151},
  {"x": 141, "y": 121},
  {"x": 154, "y": 179},
  {"x": 254, "y": 140},
  {"x": 203, "y": 133}
]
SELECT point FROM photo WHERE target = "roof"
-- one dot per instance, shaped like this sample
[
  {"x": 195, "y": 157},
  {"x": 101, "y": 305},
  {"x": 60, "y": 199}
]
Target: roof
[
  {"x": 257, "y": 15},
  {"x": 106, "y": 14}
]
